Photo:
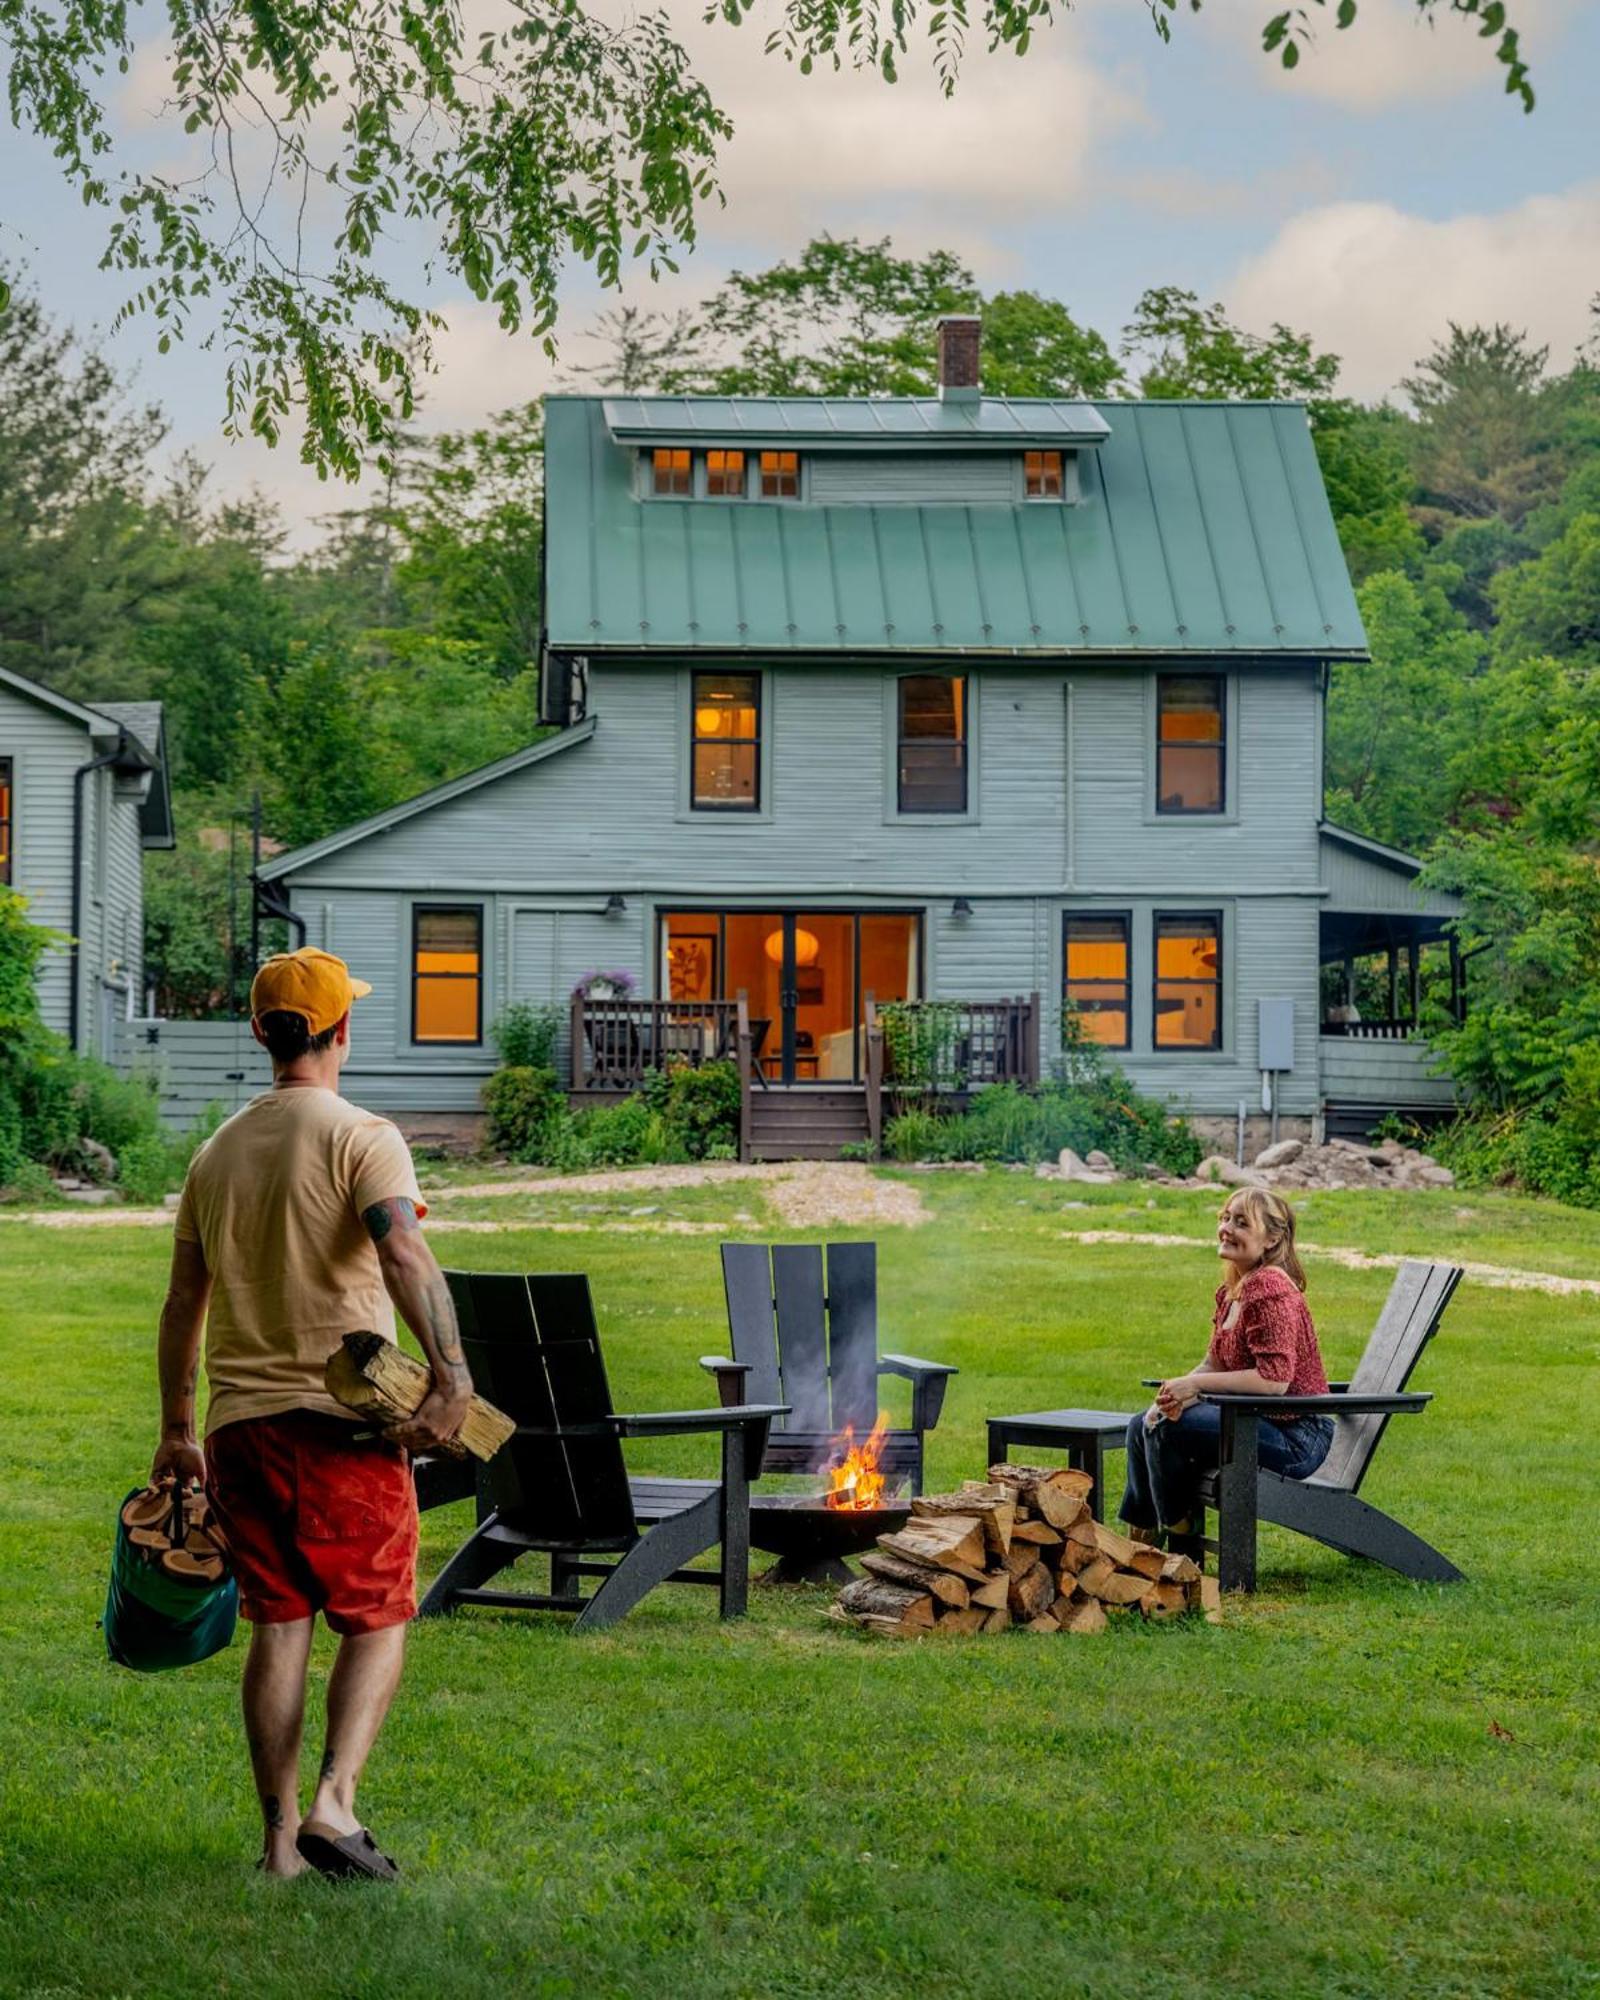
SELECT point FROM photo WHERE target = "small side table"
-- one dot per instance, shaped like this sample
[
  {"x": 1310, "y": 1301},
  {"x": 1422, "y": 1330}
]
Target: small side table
[{"x": 1084, "y": 1435}]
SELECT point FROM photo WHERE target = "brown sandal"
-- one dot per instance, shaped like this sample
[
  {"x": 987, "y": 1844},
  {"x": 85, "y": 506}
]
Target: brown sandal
[{"x": 344, "y": 1857}]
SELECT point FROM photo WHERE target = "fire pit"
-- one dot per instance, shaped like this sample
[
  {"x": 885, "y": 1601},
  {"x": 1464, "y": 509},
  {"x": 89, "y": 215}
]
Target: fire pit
[{"x": 811, "y": 1533}]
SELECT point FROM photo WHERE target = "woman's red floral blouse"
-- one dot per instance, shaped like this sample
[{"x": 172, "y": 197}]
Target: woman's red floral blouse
[{"x": 1271, "y": 1332}]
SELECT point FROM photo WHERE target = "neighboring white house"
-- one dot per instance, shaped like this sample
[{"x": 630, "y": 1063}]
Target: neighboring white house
[{"x": 83, "y": 791}]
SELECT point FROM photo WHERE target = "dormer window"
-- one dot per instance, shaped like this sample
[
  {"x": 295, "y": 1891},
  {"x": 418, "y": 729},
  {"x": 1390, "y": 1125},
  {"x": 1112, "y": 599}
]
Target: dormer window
[
  {"x": 725, "y": 475},
  {"x": 780, "y": 475},
  {"x": 1042, "y": 475},
  {"x": 672, "y": 471}
]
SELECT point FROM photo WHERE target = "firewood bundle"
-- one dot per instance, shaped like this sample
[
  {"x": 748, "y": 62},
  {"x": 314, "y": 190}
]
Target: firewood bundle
[{"x": 1021, "y": 1548}]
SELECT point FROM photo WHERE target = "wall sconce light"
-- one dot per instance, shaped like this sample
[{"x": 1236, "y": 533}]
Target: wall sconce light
[
  {"x": 961, "y": 908},
  {"x": 615, "y": 904}
]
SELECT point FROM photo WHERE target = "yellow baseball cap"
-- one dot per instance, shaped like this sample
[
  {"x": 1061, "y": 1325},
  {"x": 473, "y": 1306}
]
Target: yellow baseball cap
[{"x": 311, "y": 983}]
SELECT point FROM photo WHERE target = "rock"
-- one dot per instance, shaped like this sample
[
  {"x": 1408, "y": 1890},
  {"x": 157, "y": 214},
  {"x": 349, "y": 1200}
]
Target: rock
[
  {"x": 1045, "y": 1172},
  {"x": 101, "y": 1158},
  {"x": 1435, "y": 1176},
  {"x": 1101, "y": 1162},
  {"x": 1281, "y": 1154},
  {"x": 1154, "y": 1171},
  {"x": 1069, "y": 1163},
  {"x": 93, "y": 1196},
  {"x": 1218, "y": 1168},
  {"x": 65, "y": 1184}
]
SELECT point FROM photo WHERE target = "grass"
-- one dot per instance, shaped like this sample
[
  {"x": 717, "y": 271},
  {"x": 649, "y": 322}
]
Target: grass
[{"x": 1355, "y": 1787}]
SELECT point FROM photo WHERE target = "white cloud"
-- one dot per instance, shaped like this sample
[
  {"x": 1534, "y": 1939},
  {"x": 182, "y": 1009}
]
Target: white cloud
[{"x": 1377, "y": 285}]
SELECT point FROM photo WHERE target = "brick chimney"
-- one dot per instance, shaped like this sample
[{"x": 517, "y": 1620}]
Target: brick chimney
[{"x": 959, "y": 337}]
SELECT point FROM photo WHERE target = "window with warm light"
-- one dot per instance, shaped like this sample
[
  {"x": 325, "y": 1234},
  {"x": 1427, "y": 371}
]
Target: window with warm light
[
  {"x": 780, "y": 475},
  {"x": 5, "y": 820},
  {"x": 1188, "y": 984},
  {"x": 1096, "y": 977},
  {"x": 725, "y": 475},
  {"x": 932, "y": 760},
  {"x": 1042, "y": 475},
  {"x": 672, "y": 471},
  {"x": 1191, "y": 743},
  {"x": 447, "y": 972},
  {"x": 726, "y": 745}
]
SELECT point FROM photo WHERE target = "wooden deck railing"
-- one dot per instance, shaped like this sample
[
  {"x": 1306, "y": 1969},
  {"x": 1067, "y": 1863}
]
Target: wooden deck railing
[
  {"x": 958, "y": 1045},
  {"x": 616, "y": 1044},
  {"x": 1383, "y": 1029}
]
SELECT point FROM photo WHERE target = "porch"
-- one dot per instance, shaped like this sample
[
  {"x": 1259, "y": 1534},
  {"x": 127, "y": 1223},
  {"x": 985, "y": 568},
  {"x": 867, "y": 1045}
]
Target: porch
[{"x": 946, "y": 1048}]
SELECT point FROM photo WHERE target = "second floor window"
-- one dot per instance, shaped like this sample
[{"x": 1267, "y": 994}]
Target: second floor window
[
  {"x": 725, "y": 476},
  {"x": 780, "y": 475},
  {"x": 932, "y": 761},
  {"x": 672, "y": 471},
  {"x": 726, "y": 747},
  {"x": 1188, "y": 987},
  {"x": 1097, "y": 977},
  {"x": 1191, "y": 743},
  {"x": 447, "y": 972},
  {"x": 1041, "y": 472},
  {"x": 5, "y": 820}
]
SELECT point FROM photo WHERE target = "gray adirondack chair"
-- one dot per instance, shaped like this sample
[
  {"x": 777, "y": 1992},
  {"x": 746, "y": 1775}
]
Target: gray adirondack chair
[
  {"x": 559, "y": 1485},
  {"x": 1326, "y": 1507},
  {"x": 809, "y": 1339}
]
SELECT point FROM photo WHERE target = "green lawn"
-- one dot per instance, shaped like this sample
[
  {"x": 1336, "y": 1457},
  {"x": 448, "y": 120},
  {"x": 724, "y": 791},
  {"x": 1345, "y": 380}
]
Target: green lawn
[{"x": 1354, "y": 1787}]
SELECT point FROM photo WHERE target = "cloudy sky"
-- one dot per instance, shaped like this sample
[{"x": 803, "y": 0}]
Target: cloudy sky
[{"x": 1383, "y": 188}]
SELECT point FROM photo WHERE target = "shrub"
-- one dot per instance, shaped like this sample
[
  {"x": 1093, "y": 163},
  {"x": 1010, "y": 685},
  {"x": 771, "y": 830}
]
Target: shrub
[
  {"x": 28, "y": 1184},
  {"x": 520, "y": 1103},
  {"x": 525, "y": 1035},
  {"x": 699, "y": 1106},
  {"x": 149, "y": 1168},
  {"x": 1005, "y": 1123}
]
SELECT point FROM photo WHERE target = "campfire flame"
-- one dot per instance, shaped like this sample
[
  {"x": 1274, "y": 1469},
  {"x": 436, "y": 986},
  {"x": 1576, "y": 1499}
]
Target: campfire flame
[{"x": 854, "y": 1481}]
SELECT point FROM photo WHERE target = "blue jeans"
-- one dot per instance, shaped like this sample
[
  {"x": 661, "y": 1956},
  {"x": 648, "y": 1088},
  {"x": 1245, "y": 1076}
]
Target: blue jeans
[{"x": 1166, "y": 1464}]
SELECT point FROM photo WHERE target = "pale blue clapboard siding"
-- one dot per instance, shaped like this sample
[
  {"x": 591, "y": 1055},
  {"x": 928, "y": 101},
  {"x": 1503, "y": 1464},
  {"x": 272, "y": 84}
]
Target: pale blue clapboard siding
[
  {"x": 1373, "y": 1072},
  {"x": 606, "y": 815},
  {"x": 196, "y": 1065},
  {"x": 928, "y": 478},
  {"x": 1360, "y": 882}
]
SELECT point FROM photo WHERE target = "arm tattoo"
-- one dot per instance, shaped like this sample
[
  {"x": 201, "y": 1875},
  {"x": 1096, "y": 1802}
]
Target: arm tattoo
[
  {"x": 442, "y": 1324},
  {"x": 400, "y": 1213}
]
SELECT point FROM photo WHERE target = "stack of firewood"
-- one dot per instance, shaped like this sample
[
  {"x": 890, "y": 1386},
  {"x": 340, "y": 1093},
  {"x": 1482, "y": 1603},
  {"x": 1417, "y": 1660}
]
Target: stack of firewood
[{"x": 1021, "y": 1548}]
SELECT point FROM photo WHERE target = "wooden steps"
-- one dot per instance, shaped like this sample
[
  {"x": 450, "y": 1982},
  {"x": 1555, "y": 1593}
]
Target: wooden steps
[{"x": 807, "y": 1121}]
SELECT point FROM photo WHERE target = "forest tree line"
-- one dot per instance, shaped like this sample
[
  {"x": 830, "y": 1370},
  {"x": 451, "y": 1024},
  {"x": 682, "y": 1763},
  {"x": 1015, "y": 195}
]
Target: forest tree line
[{"x": 402, "y": 648}]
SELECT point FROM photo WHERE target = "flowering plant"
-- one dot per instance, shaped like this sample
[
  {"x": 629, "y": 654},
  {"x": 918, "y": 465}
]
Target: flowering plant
[{"x": 621, "y": 984}]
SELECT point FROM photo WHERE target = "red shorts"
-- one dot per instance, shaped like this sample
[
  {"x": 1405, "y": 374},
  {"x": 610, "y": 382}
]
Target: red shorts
[{"x": 316, "y": 1520}]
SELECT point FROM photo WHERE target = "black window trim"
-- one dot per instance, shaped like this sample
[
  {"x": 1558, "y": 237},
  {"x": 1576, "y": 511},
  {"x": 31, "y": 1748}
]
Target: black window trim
[
  {"x": 1160, "y": 1048},
  {"x": 1220, "y": 809},
  {"x": 446, "y": 1041},
  {"x": 696, "y": 676},
  {"x": 8, "y": 850},
  {"x": 1125, "y": 918},
  {"x": 964, "y": 740}
]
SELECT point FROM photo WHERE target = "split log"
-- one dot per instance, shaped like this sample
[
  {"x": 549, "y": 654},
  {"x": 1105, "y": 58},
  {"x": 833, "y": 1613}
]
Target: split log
[
  {"x": 1122, "y": 1549},
  {"x": 941, "y": 1583},
  {"x": 1211, "y": 1599},
  {"x": 991, "y": 1595},
  {"x": 1094, "y": 1573},
  {"x": 1022, "y": 1557},
  {"x": 1043, "y": 1623},
  {"x": 992, "y": 1505},
  {"x": 1180, "y": 1569},
  {"x": 1117, "y": 1588},
  {"x": 972, "y": 1619},
  {"x": 369, "y": 1374},
  {"x": 1081, "y": 1614},
  {"x": 1147, "y": 1562},
  {"x": 1053, "y": 1493},
  {"x": 1032, "y": 1592},
  {"x": 1164, "y": 1600},
  {"x": 953, "y": 1542},
  {"x": 1039, "y": 1533},
  {"x": 1074, "y": 1556},
  {"x": 998, "y": 1621},
  {"x": 870, "y": 1598}
]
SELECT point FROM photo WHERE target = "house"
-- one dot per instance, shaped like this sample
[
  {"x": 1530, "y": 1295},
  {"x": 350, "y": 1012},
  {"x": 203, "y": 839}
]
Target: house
[
  {"x": 83, "y": 791},
  {"x": 986, "y": 704}
]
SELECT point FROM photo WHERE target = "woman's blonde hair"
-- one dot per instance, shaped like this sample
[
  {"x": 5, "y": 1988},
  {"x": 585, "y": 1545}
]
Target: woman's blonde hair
[{"x": 1269, "y": 1211}]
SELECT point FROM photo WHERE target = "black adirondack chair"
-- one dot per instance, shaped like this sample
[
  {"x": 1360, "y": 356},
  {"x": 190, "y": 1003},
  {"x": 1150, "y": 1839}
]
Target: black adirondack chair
[
  {"x": 814, "y": 1347},
  {"x": 1326, "y": 1507},
  {"x": 559, "y": 1485}
]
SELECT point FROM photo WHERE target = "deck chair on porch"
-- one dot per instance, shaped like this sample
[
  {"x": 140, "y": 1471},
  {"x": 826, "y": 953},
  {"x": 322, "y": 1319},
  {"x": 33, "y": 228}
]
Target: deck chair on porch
[
  {"x": 1326, "y": 1507},
  {"x": 813, "y": 1345},
  {"x": 559, "y": 1485}
]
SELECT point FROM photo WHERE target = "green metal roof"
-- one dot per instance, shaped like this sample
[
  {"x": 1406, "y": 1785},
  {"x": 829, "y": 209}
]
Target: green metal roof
[
  {"x": 1202, "y": 528},
  {"x": 836, "y": 423}
]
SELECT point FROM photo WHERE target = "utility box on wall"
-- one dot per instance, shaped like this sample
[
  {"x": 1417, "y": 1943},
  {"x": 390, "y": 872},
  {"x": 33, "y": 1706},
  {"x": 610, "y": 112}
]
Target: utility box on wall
[{"x": 1275, "y": 1034}]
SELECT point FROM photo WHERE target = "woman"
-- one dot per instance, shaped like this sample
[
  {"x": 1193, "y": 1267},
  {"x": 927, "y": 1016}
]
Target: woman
[{"x": 1262, "y": 1344}]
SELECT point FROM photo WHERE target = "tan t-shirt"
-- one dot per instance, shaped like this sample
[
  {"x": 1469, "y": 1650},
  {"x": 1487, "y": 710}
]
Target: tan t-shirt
[{"x": 275, "y": 1198}]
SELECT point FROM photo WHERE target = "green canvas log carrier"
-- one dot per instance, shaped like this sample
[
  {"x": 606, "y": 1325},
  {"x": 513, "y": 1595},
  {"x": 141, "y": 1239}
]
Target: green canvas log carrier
[{"x": 153, "y": 1620}]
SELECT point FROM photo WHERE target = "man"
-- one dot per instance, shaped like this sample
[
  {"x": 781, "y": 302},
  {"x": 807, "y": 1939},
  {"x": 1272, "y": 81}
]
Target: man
[{"x": 299, "y": 1224}]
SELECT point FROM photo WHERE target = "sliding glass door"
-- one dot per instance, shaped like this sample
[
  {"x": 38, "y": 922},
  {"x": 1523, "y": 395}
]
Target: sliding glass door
[{"x": 806, "y": 974}]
